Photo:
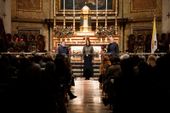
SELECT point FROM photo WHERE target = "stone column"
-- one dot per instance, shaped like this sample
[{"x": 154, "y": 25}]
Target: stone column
[
  {"x": 54, "y": 13},
  {"x": 165, "y": 16},
  {"x": 7, "y": 16},
  {"x": 2, "y": 8}
]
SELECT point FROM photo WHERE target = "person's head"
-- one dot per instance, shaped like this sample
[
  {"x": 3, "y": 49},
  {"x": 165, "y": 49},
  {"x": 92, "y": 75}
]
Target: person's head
[
  {"x": 111, "y": 39},
  {"x": 151, "y": 60},
  {"x": 63, "y": 43},
  {"x": 88, "y": 41}
]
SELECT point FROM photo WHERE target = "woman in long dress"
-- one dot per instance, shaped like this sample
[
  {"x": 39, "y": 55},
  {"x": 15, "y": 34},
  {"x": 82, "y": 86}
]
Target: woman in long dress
[{"x": 88, "y": 52}]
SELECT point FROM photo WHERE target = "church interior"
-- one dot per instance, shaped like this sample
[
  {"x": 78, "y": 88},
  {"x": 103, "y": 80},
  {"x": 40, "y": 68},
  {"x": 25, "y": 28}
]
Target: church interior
[
  {"x": 34, "y": 30},
  {"x": 130, "y": 21}
]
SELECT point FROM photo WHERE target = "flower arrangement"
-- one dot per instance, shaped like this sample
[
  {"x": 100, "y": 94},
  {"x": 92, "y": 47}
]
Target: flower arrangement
[
  {"x": 102, "y": 32},
  {"x": 62, "y": 32}
]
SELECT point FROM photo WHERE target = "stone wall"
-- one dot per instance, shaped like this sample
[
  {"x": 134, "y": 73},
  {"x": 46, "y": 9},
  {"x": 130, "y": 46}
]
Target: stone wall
[
  {"x": 2, "y": 8},
  {"x": 139, "y": 14},
  {"x": 5, "y": 14},
  {"x": 166, "y": 16},
  {"x": 32, "y": 15}
]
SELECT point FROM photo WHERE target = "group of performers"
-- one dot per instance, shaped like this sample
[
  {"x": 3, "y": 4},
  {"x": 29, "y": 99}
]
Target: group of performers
[{"x": 88, "y": 54}]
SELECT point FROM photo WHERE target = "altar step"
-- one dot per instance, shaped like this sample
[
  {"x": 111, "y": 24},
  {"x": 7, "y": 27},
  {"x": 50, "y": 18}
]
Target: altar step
[
  {"x": 77, "y": 68},
  {"x": 80, "y": 40}
]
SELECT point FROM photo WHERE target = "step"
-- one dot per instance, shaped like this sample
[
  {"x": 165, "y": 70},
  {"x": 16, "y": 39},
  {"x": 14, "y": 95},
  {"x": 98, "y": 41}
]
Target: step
[
  {"x": 81, "y": 74},
  {"x": 79, "y": 70},
  {"x": 81, "y": 66}
]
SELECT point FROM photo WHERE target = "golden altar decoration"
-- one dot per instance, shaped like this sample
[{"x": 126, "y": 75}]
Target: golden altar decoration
[{"x": 85, "y": 19}]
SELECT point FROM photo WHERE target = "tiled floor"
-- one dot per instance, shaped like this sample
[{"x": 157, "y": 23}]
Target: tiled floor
[{"x": 89, "y": 97}]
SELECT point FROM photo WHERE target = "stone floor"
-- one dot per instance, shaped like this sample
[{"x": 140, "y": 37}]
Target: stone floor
[{"x": 89, "y": 97}]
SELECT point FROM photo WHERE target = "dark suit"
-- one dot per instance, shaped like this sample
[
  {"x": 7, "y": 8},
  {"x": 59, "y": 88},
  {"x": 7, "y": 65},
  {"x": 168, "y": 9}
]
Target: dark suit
[
  {"x": 63, "y": 50},
  {"x": 113, "y": 49},
  {"x": 88, "y": 65}
]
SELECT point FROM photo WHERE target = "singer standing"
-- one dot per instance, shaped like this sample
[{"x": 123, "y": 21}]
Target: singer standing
[{"x": 88, "y": 53}]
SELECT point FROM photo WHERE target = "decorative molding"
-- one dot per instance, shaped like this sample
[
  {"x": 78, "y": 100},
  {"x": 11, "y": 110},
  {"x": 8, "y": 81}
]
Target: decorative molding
[
  {"x": 29, "y": 5},
  {"x": 142, "y": 30},
  {"x": 143, "y": 5},
  {"x": 28, "y": 31},
  {"x": 28, "y": 20}
]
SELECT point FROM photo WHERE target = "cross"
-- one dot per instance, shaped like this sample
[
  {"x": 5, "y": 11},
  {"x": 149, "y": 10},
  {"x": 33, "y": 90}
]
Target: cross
[{"x": 168, "y": 15}]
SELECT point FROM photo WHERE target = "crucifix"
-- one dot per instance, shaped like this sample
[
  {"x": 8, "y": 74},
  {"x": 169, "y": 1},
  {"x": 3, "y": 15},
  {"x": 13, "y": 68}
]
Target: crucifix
[{"x": 168, "y": 15}]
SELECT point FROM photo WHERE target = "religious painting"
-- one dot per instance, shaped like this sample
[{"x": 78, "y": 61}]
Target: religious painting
[
  {"x": 141, "y": 44},
  {"x": 143, "y": 5},
  {"x": 29, "y": 5},
  {"x": 90, "y": 3}
]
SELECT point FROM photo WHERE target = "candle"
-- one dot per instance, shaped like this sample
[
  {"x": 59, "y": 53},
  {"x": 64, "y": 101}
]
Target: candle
[
  {"x": 63, "y": 7},
  {"x": 106, "y": 6},
  {"x": 54, "y": 13},
  {"x": 64, "y": 23},
  {"x": 73, "y": 15},
  {"x": 116, "y": 14},
  {"x": 106, "y": 16},
  {"x": 97, "y": 7},
  {"x": 96, "y": 15}
]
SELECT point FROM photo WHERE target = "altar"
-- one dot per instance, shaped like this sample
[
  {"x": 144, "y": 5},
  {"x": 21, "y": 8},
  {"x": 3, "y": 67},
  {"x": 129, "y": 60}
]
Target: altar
[
  {"x": 76, "y": 40},
  {"x": 76, "y": 53},
  {"x": 79, "y": 23}
]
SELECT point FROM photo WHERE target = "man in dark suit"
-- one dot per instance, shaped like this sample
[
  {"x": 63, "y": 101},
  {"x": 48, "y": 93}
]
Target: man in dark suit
[
  {"x": 63, "y": 49},
  {"x": 113, "y": 48}
]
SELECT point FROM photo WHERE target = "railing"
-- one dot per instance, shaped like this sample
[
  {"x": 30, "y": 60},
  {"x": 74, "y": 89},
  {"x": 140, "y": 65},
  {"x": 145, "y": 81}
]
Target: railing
[
  {"x": 23, "y": 53},
  {"x": 53, "y": 53}
]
